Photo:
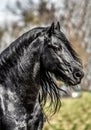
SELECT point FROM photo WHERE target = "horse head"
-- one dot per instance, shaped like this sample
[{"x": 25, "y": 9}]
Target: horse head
[{"x": 59, "y": 58}]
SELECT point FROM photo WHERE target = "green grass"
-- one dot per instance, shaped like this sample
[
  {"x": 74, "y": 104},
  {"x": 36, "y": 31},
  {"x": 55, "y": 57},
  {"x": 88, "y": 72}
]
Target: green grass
[{"x": 74, "y": 114}]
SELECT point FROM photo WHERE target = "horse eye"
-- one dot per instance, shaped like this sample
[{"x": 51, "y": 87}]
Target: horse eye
[{"x": 56, "y": 47}]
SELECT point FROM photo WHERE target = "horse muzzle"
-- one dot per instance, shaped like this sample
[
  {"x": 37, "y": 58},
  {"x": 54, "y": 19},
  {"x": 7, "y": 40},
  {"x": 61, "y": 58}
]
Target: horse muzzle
[{"x": 78, "y": 74}]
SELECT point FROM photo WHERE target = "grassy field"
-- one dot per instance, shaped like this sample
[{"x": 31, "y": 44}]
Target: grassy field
[{"x": 75, "y": 114}]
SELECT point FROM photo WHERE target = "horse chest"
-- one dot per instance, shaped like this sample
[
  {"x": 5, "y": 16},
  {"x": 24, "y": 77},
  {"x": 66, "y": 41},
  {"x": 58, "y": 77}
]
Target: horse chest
[{"x": 13, "y": 113}]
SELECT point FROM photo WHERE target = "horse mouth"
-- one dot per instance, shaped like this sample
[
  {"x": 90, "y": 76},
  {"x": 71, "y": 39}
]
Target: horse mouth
[
  {"x": 68, "y": 78},
  {"x": 73, "y": 83},
  {"x": 69, "y": 82}
]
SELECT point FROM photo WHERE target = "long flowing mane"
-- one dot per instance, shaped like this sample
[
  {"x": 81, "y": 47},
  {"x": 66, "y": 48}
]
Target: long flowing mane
[
  {"x": 22, "y": 42},
  {"x": 10, "y": 56},
  {"x": 51, "y": 91}
]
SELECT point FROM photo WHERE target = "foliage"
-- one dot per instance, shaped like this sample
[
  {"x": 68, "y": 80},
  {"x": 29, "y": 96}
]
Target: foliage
[{"x": 75, "y": 114}]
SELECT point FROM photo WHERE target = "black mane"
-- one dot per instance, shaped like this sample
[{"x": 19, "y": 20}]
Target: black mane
[
  {"x": 20, "y": 43},
  {"x": 10, "y": 56}
]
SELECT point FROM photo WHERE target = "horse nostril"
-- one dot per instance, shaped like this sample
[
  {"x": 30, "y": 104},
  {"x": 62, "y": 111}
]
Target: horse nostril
[{"x": 78, "y": 74}]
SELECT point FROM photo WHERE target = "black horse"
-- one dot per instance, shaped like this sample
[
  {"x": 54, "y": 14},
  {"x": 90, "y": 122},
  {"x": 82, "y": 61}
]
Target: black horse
[{"x": 27, "y": 70}]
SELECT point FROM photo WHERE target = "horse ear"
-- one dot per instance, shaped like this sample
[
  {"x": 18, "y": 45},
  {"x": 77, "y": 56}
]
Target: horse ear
[
  {"x": 57, "y": 26},
  {"x": 50, "y": 30}
]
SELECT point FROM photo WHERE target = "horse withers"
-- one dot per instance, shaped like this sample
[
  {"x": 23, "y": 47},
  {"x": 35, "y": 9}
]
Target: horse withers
[{"x": 27, "y": 70}]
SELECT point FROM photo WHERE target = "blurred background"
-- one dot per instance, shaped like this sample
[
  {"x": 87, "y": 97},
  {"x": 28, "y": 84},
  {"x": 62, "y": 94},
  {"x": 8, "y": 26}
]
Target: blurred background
[{"x": 19, "y": 16}]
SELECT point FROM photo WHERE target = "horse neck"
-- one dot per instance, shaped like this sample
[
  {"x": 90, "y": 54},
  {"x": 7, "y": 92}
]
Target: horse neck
[
  {"x": 23, "y": 77},
  {"x": 29, "y": 74},
  {"x": 18, "y": 50},
  {"x": 29, "y": 64}
]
